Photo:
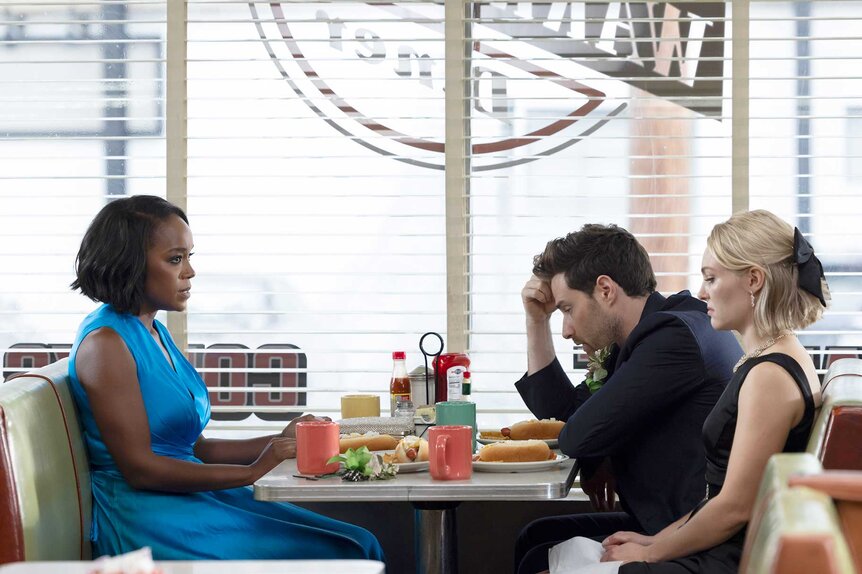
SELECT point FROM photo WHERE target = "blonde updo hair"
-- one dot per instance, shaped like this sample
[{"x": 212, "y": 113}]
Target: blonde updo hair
[{"x": 761, "y": 239}]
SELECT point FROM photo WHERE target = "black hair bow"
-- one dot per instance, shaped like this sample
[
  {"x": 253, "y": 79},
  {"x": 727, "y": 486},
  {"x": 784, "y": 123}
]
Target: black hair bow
[{"x": 810, "y": 268}]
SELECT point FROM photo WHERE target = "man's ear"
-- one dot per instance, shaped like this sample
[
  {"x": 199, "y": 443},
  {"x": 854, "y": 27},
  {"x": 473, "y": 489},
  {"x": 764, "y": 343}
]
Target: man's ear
[
  {"x": 606, "y": 290},
  {"x": 755, "y": 278}
]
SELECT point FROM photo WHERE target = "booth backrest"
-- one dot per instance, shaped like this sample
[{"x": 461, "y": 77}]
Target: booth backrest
[
  {"x": 845, "y": 488},
  {"x": 45, "y": 499},
  {"x": 837, "y": 431},
  {"x": 798, "y": 534},
  {"x": 795, "y": 528},
  {"x": 775, "y": 480}
]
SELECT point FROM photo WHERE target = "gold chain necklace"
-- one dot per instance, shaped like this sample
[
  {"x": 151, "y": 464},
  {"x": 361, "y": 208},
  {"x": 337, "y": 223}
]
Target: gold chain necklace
[{"x": 757, "y": 352}]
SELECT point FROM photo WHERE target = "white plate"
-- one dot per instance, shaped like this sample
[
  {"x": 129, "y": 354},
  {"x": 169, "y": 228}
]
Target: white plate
[
  {"x": 479, "y": 466},
  {"x": 407, "y": 467},
  {"x": 552, "y": 442}
]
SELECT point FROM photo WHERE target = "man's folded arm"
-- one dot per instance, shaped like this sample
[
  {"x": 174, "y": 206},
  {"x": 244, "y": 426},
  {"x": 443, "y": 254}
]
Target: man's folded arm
[
  {"x": 661, "y": 371},
  {"x": 549, "y": 393}
]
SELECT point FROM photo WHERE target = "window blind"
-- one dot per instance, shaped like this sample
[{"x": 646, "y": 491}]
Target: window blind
[
  {"x": 805, "y": 93},
  {"x": 581, "y": 113},
  {"x": 317, "y": 187},
  {"x": 81, "y": 121},
  {"x": 315, "y": 140}
]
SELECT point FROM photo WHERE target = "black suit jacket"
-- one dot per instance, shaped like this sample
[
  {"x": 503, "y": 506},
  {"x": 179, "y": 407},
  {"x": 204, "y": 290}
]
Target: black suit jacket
[{"x": 648, "y": 416}]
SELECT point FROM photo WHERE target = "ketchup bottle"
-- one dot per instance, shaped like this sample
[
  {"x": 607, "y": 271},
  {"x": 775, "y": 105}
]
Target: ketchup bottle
[
  {"x": 442, "y": 366},
  {"x": 399, "y": 386}
]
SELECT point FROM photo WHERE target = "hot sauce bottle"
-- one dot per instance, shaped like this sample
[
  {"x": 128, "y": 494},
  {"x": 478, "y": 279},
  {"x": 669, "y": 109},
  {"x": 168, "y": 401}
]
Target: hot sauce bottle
[{"x": 399, "y": 386}]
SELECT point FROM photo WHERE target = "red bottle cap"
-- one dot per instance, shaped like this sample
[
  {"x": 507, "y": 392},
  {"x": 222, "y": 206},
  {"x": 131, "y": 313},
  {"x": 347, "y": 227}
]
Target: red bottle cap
[
  {"x": 399, "y": 355},
  {"x": 466, "y": 374}
]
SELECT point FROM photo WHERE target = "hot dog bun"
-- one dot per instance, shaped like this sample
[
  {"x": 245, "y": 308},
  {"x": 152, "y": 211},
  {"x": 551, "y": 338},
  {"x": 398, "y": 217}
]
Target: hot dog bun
[
  {"x": 410, "y": 445},
  {"x": 516, "y": 451},
  {"x": 544, "y": 429},
  {"x": 371, "y": 440}
]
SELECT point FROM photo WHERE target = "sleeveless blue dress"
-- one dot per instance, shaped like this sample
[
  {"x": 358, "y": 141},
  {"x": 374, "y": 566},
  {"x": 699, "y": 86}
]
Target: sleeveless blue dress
[{"x": 219, "y": 524}]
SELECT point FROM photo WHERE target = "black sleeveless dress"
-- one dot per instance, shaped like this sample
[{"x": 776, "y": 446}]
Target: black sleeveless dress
[{"x": 718, "y": 431}]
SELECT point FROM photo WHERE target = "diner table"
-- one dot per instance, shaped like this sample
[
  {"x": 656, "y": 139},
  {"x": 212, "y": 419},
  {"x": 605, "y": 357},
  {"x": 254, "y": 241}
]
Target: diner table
[
  {"x": 211, "y": 567},
  {"x": 434, "y": 501}
]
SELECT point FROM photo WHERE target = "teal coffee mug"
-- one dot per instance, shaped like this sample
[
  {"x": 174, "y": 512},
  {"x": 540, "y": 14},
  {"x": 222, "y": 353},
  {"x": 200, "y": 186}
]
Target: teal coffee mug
[{"x": 457, "y": 413}]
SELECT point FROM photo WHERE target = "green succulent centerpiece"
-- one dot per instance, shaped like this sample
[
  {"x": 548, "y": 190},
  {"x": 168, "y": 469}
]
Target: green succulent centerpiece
[
  {"x": 361, "y": 464},
  {"x": 597, "y": 370}
]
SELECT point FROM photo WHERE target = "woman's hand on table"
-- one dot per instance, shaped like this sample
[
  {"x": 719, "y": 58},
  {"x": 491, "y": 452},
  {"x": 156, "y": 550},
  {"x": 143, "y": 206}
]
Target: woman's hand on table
[
  {"x": 290, "y": 430},
  {"x": 277, "y": 450}
]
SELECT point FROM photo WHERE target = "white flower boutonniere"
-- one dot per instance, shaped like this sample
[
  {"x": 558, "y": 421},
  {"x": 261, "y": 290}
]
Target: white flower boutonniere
[
  {"x": 362, "y": 464},
  {"x": 597, "y": 371}
]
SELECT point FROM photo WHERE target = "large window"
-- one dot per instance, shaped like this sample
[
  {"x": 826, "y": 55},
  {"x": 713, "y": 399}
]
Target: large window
[
  {"x": 82, "y": 120},
  {"x": 318, "y": 224},
  {"x": 805, "y": 90},
  {"x": 361, "y": 173}
]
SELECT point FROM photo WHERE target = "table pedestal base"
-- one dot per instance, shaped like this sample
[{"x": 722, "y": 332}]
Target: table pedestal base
[{"x": 436, "y": 537}]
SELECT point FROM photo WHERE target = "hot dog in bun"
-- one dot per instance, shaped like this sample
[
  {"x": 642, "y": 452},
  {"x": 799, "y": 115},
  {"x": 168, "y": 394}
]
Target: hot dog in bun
[
  {"x": 409, "y": 449},
  {"x": 516, "y": 451},
  {"x": 544, "y": 429},
  {"x": 373, "y": 441}
]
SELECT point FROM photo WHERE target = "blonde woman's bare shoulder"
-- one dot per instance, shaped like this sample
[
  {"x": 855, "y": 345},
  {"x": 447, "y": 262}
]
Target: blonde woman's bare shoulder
[{"x": 770, "y": 386}]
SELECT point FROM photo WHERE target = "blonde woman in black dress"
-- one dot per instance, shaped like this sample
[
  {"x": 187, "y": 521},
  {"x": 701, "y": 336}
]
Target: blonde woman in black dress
[{"x": 762, "y": 280}]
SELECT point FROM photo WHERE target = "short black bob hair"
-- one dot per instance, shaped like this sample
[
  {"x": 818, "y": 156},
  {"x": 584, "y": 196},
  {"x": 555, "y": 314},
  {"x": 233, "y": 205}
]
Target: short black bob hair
[
  {"x": 596, "y": 250},
  {"x": 111, "y": 266}
]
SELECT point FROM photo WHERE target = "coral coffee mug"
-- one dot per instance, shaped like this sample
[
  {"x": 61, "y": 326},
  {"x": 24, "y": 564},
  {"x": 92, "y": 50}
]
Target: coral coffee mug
[
  {"x": 450, "y": 453},
  {"x": 316, "y": 443},
  {"x": 458, "y": 413}
]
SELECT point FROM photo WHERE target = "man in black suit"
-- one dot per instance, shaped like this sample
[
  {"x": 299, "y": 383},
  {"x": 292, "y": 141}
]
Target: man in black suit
[{"x": 666, "y": 370}]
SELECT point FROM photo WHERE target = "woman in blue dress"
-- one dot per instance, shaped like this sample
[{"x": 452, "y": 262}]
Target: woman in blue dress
[{"x": 156, "y": 480}]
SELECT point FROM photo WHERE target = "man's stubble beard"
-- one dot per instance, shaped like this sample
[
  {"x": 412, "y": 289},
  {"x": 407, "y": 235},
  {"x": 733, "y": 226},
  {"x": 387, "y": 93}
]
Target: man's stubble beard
[{"x": 609, "y": 326}]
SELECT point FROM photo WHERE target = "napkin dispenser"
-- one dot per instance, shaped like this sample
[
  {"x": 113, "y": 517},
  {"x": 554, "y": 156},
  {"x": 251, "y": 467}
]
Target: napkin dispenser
[
  {"x": 423, "y": 386},
  {"x": 395, "y": 426}
]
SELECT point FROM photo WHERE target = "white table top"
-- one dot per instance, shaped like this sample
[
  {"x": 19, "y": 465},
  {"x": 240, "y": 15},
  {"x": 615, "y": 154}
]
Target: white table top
[
  {"x": 280, "y": 485},
  {"x": 213, "y": 567}
]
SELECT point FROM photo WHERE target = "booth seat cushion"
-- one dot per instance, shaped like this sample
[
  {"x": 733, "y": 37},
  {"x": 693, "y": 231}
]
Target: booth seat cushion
[
  {"x": 45, "y": 500},
  {"x": 799, "y": 534},
  {"x": 837, "y": 430}
]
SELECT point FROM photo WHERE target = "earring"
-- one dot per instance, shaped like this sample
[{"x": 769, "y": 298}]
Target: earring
[{"x": 752, "y": 299}]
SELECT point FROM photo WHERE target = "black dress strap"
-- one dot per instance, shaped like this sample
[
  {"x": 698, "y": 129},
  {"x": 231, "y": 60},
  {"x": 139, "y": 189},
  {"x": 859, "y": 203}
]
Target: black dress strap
[{"x": 796, "y": 372}]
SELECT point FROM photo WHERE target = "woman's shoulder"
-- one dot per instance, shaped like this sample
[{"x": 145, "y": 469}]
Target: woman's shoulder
[
  {"x": 103, "y": 329},
  {"x": 785, "y": 371},
  {"x": 101, "y": 341}
]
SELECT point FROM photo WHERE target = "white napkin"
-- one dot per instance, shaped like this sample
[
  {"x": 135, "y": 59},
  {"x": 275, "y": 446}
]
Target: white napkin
[
  {"x": 136, "y": 562},
  {"x": 580, "y": 556}
]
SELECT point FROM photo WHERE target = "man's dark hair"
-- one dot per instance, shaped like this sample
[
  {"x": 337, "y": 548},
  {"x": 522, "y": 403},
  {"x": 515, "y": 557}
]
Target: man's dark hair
[
  {"x": 581, "y": 256},
  {"x": 111, "y": 266}
]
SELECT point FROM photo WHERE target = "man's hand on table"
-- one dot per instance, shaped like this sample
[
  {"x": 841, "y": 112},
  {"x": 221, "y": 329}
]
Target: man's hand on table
[{"x": 601, "y": 487}]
